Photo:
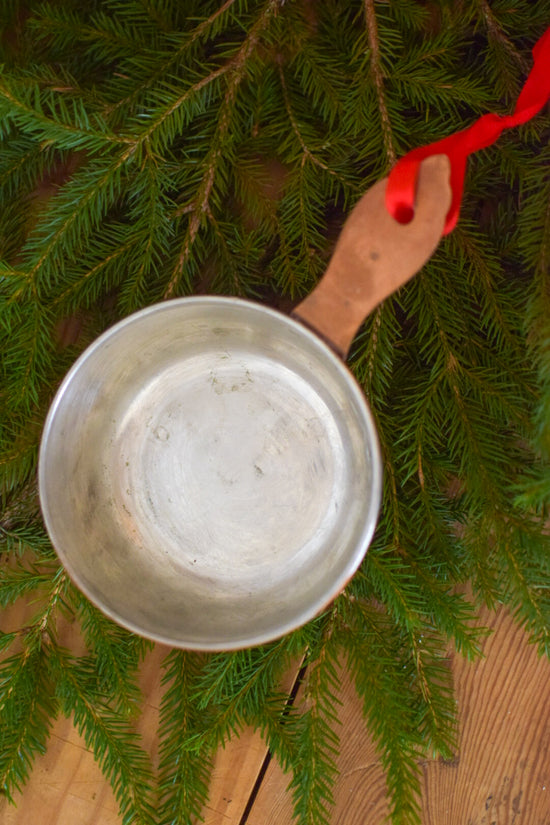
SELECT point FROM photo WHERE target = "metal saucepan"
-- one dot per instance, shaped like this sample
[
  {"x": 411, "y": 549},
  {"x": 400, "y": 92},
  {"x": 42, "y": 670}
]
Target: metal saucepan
[{"x": 209, "y": 470}]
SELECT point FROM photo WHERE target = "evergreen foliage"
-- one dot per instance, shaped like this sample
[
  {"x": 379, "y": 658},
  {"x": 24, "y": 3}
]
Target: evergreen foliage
[{"x": 154, "y": 148}]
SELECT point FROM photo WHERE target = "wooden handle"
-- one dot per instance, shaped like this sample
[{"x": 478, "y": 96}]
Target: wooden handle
[{"x": 375, "y": 255}]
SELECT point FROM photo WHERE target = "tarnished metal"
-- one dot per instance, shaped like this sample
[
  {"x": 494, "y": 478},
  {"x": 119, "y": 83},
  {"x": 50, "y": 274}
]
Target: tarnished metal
[
  {"x": 209, "y": 473},
  {"x": 209, "y": 470}
]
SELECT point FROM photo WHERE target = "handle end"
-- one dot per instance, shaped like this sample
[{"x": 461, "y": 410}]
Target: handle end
[{"x": 375, "y": 255}]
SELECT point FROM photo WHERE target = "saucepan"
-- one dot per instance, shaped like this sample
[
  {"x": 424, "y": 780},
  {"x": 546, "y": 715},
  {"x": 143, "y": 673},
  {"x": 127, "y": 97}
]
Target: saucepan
[{"x": 209, "y": 471}]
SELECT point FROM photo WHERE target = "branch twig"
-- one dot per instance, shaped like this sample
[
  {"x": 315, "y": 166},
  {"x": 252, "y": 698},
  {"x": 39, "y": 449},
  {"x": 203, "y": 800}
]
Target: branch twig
[
  {"x": 378, "y": 75},
  {"x": 235, "y": 68}
]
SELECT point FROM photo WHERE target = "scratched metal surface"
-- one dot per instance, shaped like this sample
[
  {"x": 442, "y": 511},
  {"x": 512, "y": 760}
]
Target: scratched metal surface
[{"x": 209, "y": 473}]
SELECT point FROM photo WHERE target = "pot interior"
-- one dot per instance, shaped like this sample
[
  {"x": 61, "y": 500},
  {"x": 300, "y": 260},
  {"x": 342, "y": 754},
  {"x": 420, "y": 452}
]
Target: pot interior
[{"x": 209, "y": 473}]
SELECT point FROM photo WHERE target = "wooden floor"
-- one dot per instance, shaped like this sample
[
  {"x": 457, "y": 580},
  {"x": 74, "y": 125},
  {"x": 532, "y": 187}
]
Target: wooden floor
[{"x": 500, "y": 777}]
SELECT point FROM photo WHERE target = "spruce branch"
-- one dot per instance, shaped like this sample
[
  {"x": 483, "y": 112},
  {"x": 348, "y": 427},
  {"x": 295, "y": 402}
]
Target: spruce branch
[
  {"x": 307, "y": 154},
  {"x": 378, "y": 76},
  {"x": 139, "y": 146},
  {"x": 57, "y": 235},
  {"x": 279, "y": 722},
  {"x": 85, "y": 286},
  {"x": 115, "y": 746},
  {"x": 317, "y": 741},
  {"x": 506, "y": 56},
  {"x": 22, "y": 164},
  {"x": 151, "y": 234},
  {"x": 476, "y": 448},
  {"x": 6, "y": 640},
  {"x": 234, "y": 688},
  {"x": 168, "y": 121},
  {"x": 183, "y": 771},
  {"x": 18, "y": 458},
  {"x": 68, "y": 125},
  {"x": 32, "y": 351},
  {"x": 527, "y": 583},
  {"x": 437, "y": 721},
  {"x": 117, "y": 655},
  {"x": 20, "y": 579},
  {"x": 44, "y": 620},
  {"x": 211, "y": 25},
  {"x": 26, "y": 709},
  {"x": 104, "y": 34},
  {"x": 199, "y": 208},
  {"x": 17, "y": 538},
  {"x": 391, "y": 482},
  {"x": 373, "y": 355},
  {"x": 374, "y": 660},
  {"x": 300, "y": 260},
  {"x": 27, "y": 704},
  {"x": 483, "y": 265},
  {"x": 413, "y": 596},
  {"x": 322, "y": 79},
  {"x": 534, "y": 245}
]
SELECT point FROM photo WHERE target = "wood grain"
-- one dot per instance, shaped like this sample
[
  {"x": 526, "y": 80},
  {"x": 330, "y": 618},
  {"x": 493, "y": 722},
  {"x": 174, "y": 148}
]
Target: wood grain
[
  {"x": 360, "y": 793},
  {"x": 502, "y": 774},
  {"x": 500, "y": 777},
  {"x": 67, "y": 786},
  {"x": 374, "y": 256}
]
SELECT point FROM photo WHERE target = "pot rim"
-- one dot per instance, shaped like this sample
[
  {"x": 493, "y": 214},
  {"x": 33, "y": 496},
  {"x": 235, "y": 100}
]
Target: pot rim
[{"x": 372, "y": 506}]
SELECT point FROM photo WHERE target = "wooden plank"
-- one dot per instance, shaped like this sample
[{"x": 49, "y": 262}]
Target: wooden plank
[
  {"x": 235, "y": 772},
  {"x": 501, "y": 775},
  {"x": 360, "y": 794},
  {"x": 67, "y": 786},
  {"x": 237, "y": 769}
]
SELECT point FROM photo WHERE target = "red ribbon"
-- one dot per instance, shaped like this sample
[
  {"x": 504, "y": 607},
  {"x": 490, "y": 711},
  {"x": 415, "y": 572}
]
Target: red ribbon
[{"x": 401, "y": 188}]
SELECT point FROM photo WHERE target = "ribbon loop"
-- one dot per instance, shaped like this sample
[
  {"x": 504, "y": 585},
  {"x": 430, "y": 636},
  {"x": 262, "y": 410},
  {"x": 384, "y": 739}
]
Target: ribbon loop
[{"x": 401, "y": 188}]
